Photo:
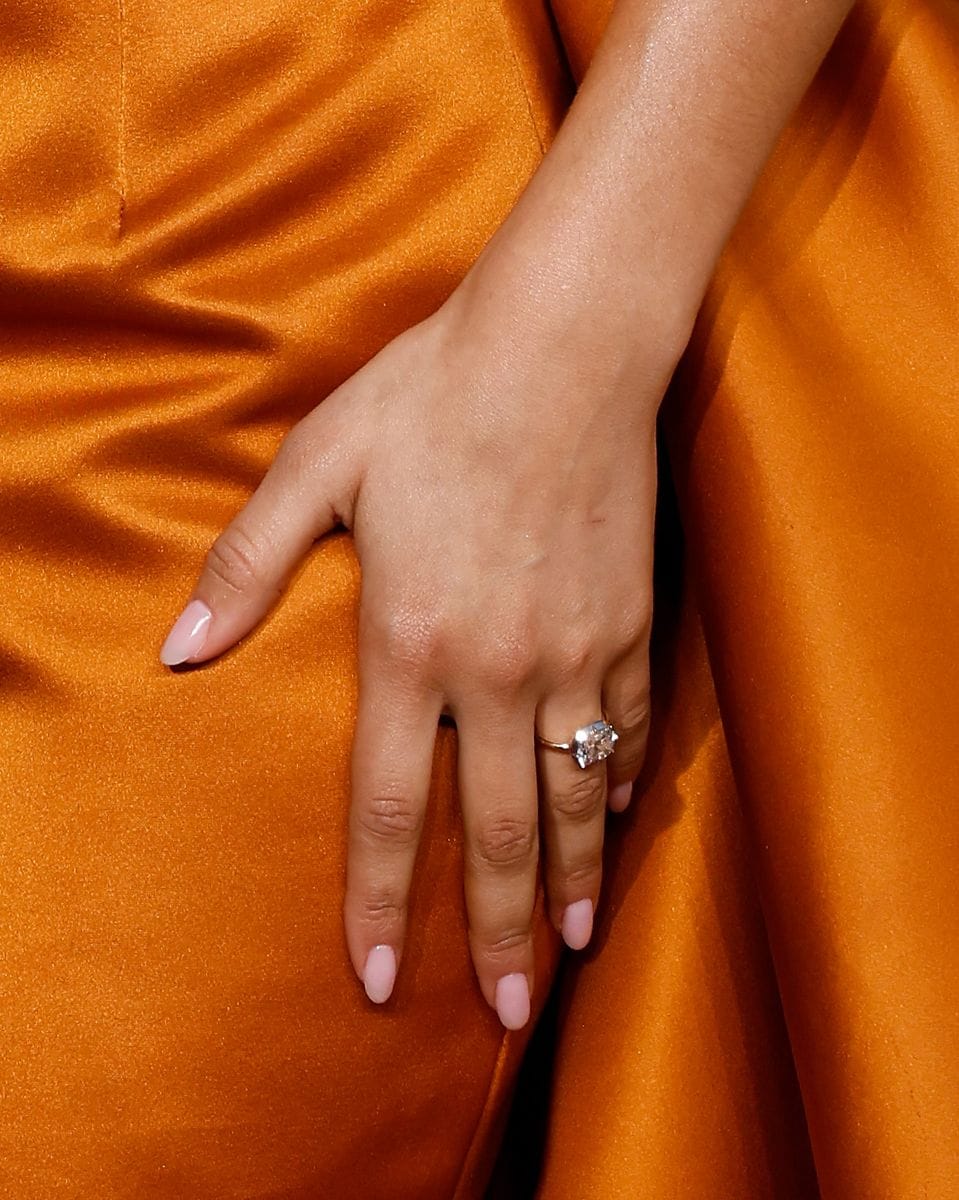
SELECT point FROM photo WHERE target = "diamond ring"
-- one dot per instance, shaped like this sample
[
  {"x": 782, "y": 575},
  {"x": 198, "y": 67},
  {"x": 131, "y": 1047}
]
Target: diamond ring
[{"x": 590, "y": 744}]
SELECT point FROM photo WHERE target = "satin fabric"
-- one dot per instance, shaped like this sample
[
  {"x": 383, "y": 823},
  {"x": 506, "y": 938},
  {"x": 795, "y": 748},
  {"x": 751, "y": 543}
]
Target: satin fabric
[
  {"x": 769, "y": 1008},
  {"x": 212, "y": 216}
]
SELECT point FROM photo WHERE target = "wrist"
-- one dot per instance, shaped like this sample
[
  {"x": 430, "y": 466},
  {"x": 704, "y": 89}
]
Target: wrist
[{"x": 589, "y": 325}]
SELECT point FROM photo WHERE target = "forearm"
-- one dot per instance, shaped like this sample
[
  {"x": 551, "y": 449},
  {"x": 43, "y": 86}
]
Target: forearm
[{"x": 622, "y": 224}]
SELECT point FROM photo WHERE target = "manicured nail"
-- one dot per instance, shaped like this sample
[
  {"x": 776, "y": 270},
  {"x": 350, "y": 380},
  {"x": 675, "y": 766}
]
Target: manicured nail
[
  {"x": 620, "y": 796},
  {"x": 379, "y": 974},
  {"x": 187, "y": 635},
  {"x": 578, "y": 924},
  {"x": 512, "y": 1000}
]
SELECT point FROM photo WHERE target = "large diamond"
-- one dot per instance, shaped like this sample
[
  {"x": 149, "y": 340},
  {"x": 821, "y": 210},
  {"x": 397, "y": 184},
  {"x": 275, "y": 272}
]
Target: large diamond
[{"x": 593, "y": 743}]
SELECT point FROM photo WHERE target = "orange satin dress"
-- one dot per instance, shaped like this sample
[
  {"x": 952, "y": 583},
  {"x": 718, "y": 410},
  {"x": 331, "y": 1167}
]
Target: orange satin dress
[{"x": 210, "y": 216}]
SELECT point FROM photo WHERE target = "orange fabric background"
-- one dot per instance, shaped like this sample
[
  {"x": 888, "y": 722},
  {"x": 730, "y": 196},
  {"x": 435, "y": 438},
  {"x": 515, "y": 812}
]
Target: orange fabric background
[
  {"x": 211, "y": 216},
  {"x": 780, "y": 951}
]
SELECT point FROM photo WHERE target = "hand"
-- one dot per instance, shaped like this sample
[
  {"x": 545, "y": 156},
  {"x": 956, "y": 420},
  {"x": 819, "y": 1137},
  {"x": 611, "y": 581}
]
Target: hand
[{"x": 500, "y": 488}]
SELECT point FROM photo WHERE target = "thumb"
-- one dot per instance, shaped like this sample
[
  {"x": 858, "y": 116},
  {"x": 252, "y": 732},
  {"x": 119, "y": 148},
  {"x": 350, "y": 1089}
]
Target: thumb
[{"x": 305, "y": 492}]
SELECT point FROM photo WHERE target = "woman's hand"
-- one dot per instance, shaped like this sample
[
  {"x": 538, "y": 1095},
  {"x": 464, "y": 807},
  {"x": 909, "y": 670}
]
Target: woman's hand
[
  {"x": 500, "y": 486},
  {"x": 496, "y": 464}
]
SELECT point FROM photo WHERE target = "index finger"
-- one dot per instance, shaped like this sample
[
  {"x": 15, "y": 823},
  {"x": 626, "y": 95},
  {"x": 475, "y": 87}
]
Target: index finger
[{"x": 390, "y": 771}]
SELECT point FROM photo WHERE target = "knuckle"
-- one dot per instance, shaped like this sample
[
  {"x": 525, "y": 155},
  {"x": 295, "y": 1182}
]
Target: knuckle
[
  {"x": 584, "y": 876},
  {"x": 389, "y": 820},
  {"x": 505, "y": 842},
  {"x": 634, "y": 715},
  {"x": 408, "y": 634},
  {"x": 381, "y": 910},
  {"x": 581, "y": 799},
  {"x": 505, "y": 943},
  {"x": 631, "y": 763},
  {"x": 234, "y": 560},
  {"x": 635, "y": 625},
  {"x": 575, "y": 657},
  {"x": 505, "y": 669},
  {"x": 502, "y": 656}
]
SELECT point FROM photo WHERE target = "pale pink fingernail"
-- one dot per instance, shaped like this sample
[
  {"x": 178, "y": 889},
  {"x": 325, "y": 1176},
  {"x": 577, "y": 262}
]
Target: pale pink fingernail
[
  {"x": 379, "y": 974},
  {"x": 512, "y": 1000},
  {"x": 578, "y": 924},
  {"x": 187, "y": 635},
  {"x": 620, "y": 796}
]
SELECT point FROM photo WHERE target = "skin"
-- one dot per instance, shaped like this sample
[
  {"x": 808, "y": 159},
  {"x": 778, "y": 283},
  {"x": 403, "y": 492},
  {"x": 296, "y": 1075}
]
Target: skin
[{"x": 498, "y": 458}]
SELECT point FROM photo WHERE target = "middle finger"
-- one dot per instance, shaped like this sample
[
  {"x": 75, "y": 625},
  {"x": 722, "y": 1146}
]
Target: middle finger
[{"x": 497, "y": 784}]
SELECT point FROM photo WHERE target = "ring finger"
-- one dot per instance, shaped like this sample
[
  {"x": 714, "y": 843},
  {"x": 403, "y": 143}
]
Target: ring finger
[{"x": 573, "y": 815}]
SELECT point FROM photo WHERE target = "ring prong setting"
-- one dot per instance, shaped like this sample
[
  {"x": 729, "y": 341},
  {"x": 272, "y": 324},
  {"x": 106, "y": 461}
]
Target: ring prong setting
[{"x": 593, "y": 743}]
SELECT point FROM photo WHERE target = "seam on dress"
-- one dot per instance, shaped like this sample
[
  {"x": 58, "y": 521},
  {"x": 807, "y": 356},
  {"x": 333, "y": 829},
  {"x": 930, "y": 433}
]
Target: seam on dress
[
  {"x": 121, "y": 118},
  {"x": 520, "y": 74},
  {"x": 491, "y": 1094}
]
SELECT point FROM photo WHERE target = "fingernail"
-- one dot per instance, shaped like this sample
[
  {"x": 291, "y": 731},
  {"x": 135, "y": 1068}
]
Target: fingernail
[
  {"x": 620, "y": 796},
  {"x": 187, "y": 635},
  {"x": 512, "y": 1000},
  {"x": 379, "y": 974},
  {"x": 578, "y": 924}
]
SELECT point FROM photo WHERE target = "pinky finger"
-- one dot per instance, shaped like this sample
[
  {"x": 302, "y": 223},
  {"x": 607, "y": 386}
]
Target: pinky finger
[{"x": 627, "y": 704}]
